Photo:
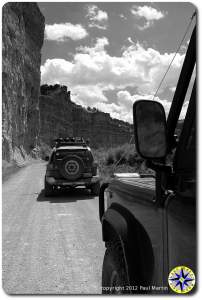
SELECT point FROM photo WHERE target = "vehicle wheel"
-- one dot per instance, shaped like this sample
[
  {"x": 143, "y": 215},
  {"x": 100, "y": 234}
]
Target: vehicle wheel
[
  {"x": 95, "y": 188},
  {"x": 71, "y": 167},
  {"x": 49, "y": 190},
  {"x": 114, "y": 275}
]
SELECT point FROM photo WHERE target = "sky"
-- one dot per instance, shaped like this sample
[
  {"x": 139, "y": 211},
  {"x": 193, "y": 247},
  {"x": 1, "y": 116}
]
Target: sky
[{"x": 110, "y": 54}]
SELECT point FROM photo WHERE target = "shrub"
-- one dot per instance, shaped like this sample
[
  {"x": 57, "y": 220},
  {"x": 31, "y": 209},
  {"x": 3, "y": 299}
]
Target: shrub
[
  {"x": 109, "y": 159},
  {"x": 134, "y": 159},
  {"x": 45, "y": 150},
  {"x": 130, "y": 161},
  {"x": 120, "y": 154}
]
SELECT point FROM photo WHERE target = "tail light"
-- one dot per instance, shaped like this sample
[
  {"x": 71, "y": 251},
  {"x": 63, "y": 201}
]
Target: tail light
[
  {"x": 94, "y": 168},
  {"x": 52, "y": 170},
  {"x": 52, "y": 167}
]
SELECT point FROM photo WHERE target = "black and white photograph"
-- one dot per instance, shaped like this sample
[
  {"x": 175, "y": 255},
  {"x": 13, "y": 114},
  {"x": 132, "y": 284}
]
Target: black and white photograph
[{"x": 99, "y": 155}]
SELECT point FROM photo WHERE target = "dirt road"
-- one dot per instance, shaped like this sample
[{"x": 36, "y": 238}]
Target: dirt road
[{"x": 50, "y": 245}]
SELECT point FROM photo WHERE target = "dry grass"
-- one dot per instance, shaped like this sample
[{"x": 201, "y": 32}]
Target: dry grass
[{"x": 122, "y": 159}]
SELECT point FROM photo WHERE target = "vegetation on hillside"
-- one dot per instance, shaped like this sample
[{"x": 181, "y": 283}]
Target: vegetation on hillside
[{"x": 121, "y": 159}]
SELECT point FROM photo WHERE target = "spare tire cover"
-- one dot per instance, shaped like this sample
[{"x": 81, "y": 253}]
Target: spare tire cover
[{"x": 71, "y": 167}]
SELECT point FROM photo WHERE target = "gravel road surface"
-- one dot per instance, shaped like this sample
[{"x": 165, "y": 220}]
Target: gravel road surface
[{"x": 50, "y": 245}]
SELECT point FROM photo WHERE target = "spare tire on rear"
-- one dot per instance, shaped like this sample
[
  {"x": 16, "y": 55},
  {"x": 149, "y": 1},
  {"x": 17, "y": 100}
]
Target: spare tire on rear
[{"x": 71, "y": 167}]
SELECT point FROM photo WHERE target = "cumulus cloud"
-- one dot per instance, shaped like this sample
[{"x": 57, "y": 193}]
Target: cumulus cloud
[
  {"x": 97, "y": 17},
  {"x": 130, "y": 40},
  {"x": 123, "y": 109},
  {"x": 63, "y": 31},
  {"x": 148, "y": 13},
  {"x": 137, "y": 66},
  {"x": 93, "y": 72},
  {"x": 172, "y": 89},
  {"x": 89, "y": 95},
  {"x": 123, "y": 17},
  {"x": 184, "y": 47},
  {"x": 126, "y": 101},
  {"x": 98, "y": 47}
]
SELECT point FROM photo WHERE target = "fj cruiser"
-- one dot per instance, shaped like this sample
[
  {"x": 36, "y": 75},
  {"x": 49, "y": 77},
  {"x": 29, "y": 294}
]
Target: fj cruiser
[
  {"x": 149, "y": 222},
  {"x": 71, "y": 164}
]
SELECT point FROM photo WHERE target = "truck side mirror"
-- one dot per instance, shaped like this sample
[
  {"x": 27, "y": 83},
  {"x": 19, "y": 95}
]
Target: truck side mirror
[{"x": 150, "y": 129}]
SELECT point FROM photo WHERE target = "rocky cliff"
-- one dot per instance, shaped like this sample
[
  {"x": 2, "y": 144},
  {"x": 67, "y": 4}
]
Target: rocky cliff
[
  {"x": 59, "y": 116},
  {"x": 22, "y": 39},
  {"x": 55, "y": 114}
]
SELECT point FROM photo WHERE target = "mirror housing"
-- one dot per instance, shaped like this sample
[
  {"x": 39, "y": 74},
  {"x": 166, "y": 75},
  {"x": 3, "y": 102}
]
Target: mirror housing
[
  {"x": 46, "y": 158},
  {"x": 150, "y": 129}
]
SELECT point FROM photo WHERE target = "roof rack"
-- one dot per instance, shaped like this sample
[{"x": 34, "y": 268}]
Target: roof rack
[{"x": 70, "y": 141}]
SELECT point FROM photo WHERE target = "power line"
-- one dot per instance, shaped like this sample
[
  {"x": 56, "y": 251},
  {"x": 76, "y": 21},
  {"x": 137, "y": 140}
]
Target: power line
[{"x": 187, "y": 29}]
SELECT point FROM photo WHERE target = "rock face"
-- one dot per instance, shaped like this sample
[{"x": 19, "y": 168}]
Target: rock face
[
  {"x": 100, "y": 128},
  {"x": 55, "y": 114},
  {"x": 22, "y": 39},
  {"x": 59, "y": 116}
]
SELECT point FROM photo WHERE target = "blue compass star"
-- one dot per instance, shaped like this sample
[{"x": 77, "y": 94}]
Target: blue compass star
[{"x": 181, "y": 279}]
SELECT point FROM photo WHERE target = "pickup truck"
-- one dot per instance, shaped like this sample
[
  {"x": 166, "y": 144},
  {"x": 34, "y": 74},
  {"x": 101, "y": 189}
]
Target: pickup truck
[{"x": 149, "y": 221}]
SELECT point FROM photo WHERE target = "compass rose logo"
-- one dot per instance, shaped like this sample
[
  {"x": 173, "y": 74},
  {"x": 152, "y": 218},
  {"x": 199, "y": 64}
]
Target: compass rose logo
[{"x": 181, "y": 280}]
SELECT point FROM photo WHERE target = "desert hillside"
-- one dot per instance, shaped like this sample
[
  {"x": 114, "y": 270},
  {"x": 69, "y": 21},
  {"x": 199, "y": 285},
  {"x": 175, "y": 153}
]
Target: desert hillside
[{"x": 60, "y": 116}]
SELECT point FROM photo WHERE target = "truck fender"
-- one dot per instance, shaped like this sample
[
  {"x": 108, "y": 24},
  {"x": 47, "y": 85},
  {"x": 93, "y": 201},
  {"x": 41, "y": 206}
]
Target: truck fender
[
  {"x": 114, "y": 229},
  {"x": 101, "y": 199},
  {"x": 119, "y": 224}
]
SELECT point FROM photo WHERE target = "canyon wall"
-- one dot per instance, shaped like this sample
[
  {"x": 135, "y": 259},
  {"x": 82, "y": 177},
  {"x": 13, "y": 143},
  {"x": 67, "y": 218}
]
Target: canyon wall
[
  {"x": 22, "y": 39},
  {"x": 60, "y": 117}
]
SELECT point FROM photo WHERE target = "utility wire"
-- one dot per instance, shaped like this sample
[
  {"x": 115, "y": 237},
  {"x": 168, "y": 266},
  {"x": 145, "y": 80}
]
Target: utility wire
[{"x": 187, "y": 29}]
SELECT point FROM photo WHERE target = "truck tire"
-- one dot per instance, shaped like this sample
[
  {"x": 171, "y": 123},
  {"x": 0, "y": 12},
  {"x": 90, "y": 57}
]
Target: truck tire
[
  {"x": 71, "y": 167},
  {"x": 95, "y": 188},
  {"x": 49, "y": 189},
  {"x": 114, "y": 275}
]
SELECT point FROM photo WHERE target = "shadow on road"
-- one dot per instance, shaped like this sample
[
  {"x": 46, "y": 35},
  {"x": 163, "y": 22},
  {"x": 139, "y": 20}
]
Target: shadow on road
[{"x": 65, "y": 196}]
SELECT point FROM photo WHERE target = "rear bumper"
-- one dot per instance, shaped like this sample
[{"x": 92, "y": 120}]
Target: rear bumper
[{"x": 79, "y": 182}]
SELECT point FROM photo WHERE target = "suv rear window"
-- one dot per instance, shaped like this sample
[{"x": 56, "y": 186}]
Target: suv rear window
[{"x": 61, "y": 153}]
